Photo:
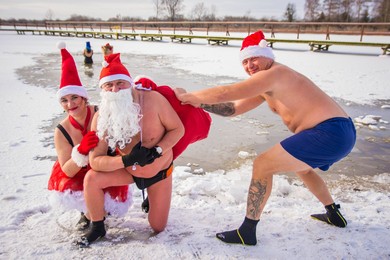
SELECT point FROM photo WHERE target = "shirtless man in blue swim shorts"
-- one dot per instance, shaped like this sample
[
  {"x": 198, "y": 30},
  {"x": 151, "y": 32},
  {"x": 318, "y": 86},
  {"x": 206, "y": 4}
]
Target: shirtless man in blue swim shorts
[{"x": 323, "y": 132}]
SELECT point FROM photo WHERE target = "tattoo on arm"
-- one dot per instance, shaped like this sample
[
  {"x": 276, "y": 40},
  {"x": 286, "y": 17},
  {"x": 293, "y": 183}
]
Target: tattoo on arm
[
  {"x": 256, "y": 196},
  {"x": 222, "y": 109}
]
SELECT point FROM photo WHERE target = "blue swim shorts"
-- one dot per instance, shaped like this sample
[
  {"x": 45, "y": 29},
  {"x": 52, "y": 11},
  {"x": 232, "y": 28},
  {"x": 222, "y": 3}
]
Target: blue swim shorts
[{"x": 324, "y": 144}]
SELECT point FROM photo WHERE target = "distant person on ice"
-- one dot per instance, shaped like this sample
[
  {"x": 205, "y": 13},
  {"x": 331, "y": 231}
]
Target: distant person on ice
[
  {"x": 107, "y": 49},
  {"x": 323, "y": 132},
  {"x": 88, "y": 53}
]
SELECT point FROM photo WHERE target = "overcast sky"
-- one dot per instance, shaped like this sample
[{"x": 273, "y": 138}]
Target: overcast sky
[{"x": 61, "y": 9}]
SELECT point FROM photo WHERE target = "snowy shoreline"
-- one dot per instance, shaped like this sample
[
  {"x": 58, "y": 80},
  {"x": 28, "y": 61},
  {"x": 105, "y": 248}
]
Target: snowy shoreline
[
  {"x": 254, "y": 132},
  {"x": 202, "y": 204}
]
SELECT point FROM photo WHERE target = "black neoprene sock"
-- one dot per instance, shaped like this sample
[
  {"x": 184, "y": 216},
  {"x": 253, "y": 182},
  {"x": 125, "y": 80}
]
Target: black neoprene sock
[
  {"x": 332, "y": 216},
  {"x": 83, "y": 223},
  {"x": 97, "y": 231},
  {"x": 335, "y": 216},
  {"x": 245, "y": 235}
]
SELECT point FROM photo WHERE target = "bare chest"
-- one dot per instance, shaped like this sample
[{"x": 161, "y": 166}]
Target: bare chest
[
  {"x": 151, "y": 132},
  {"x": 152, "y": 129}
]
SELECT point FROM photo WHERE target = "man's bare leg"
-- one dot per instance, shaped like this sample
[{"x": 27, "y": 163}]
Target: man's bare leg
[
  {"x": 318, "y": 187},
  {"x": 265, "y": 166},
  {"x": 94, "y": 183},
  {"x": 159, "y": 196}
]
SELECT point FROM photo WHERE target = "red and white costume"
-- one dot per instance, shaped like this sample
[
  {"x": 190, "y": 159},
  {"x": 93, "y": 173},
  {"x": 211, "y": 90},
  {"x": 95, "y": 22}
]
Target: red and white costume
[{"x": 67, "y": 192}]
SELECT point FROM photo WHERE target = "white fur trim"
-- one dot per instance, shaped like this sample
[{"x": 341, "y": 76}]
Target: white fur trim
[
  {"x": 70, "y": 200},
  {"x": 80, "y": 159},
  {"x": 117, "y": 208},
  {"x": 67, "y": 200},
  {"x": 72, "y": 89},
  {"x": 115, "y": 77},
  {"x": 256, "y": 51},
  {"x": 139, "y": 85}
]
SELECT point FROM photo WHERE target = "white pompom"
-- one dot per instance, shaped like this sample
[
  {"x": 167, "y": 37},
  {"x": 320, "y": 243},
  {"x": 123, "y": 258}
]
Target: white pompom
[
  {"x": 104, "y": 64},
  {"x": 263, "y": 43},
  {"x": 61, "y": 45}
]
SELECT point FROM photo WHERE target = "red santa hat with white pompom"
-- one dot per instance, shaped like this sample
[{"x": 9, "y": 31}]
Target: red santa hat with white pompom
[
  {"x": 70, "y": 81},
  {"x": 255, "y": 45},
  {"x": 113, "y": 69}
]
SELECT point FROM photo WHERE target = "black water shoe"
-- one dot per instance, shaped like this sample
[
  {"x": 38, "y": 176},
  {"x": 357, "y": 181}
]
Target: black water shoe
[
  {"x": 96, "y": 232},
  {"x": 332, "y": 216},
  {"x": 83, "y": 223},
  {"x": 245, "y": 235}
]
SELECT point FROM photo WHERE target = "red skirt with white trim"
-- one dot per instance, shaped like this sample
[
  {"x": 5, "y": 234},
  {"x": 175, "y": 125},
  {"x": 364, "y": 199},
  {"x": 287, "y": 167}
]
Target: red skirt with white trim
[{"x": 69, "y": 192}]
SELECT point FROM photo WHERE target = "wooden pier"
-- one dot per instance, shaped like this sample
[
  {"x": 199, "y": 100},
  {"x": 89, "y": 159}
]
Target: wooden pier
[
  {"x": 318, "y": 45},
  {"x": 314, "y": 45}
]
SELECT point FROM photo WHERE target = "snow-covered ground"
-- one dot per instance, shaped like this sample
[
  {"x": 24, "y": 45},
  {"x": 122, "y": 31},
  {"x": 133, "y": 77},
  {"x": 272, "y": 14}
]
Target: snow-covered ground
[{"x": 203, "y": 203}]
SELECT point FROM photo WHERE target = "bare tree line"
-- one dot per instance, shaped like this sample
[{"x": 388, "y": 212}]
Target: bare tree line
[
  {"x": 315, "y": 11},
  {"x": 347, "y": 10},
  {"x": 171, "y": 10}
]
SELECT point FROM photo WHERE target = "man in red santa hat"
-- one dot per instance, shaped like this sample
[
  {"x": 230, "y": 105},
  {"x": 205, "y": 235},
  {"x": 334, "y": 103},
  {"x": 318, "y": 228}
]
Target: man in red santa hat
[
  {"x": 142, "y": 127},
  {"x": 323, "y": 132}
]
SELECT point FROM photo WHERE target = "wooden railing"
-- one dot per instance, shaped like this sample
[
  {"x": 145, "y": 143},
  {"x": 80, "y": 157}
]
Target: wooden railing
[
  {"x": 315, "y": 45},
  {"x": 297, "y": 28},
  {"x": 185, "y": 31}
]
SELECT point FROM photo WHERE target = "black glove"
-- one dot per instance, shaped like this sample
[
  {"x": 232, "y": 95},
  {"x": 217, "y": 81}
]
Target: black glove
[
  {"x": 155, "y": 153},
  {"x": 139, "y": 155}
]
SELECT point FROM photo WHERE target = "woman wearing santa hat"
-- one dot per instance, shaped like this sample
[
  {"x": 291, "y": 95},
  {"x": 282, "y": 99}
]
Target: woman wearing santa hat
[{"x": 73, "y": 140}]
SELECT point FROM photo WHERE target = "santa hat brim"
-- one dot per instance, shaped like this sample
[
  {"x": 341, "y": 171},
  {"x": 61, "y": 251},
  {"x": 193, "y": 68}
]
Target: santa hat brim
[
  {"x": 115, "y": 77},
  {"x": 75, "y": 90},
  {"x": 256, "y": 51}
]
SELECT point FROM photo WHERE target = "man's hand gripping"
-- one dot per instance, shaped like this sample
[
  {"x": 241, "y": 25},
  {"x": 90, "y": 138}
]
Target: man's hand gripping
[{"x": 140, "y": 155}]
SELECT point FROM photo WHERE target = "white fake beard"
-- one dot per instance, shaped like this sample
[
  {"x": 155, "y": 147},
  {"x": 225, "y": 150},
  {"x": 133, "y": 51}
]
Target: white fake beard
[{"x": 118, "y": 119}]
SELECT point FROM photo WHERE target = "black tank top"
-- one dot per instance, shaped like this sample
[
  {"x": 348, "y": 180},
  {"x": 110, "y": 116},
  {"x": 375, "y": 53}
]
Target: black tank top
[
  {"x": 65, "y": 133},
  {"x": 110, "y": 152}
]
